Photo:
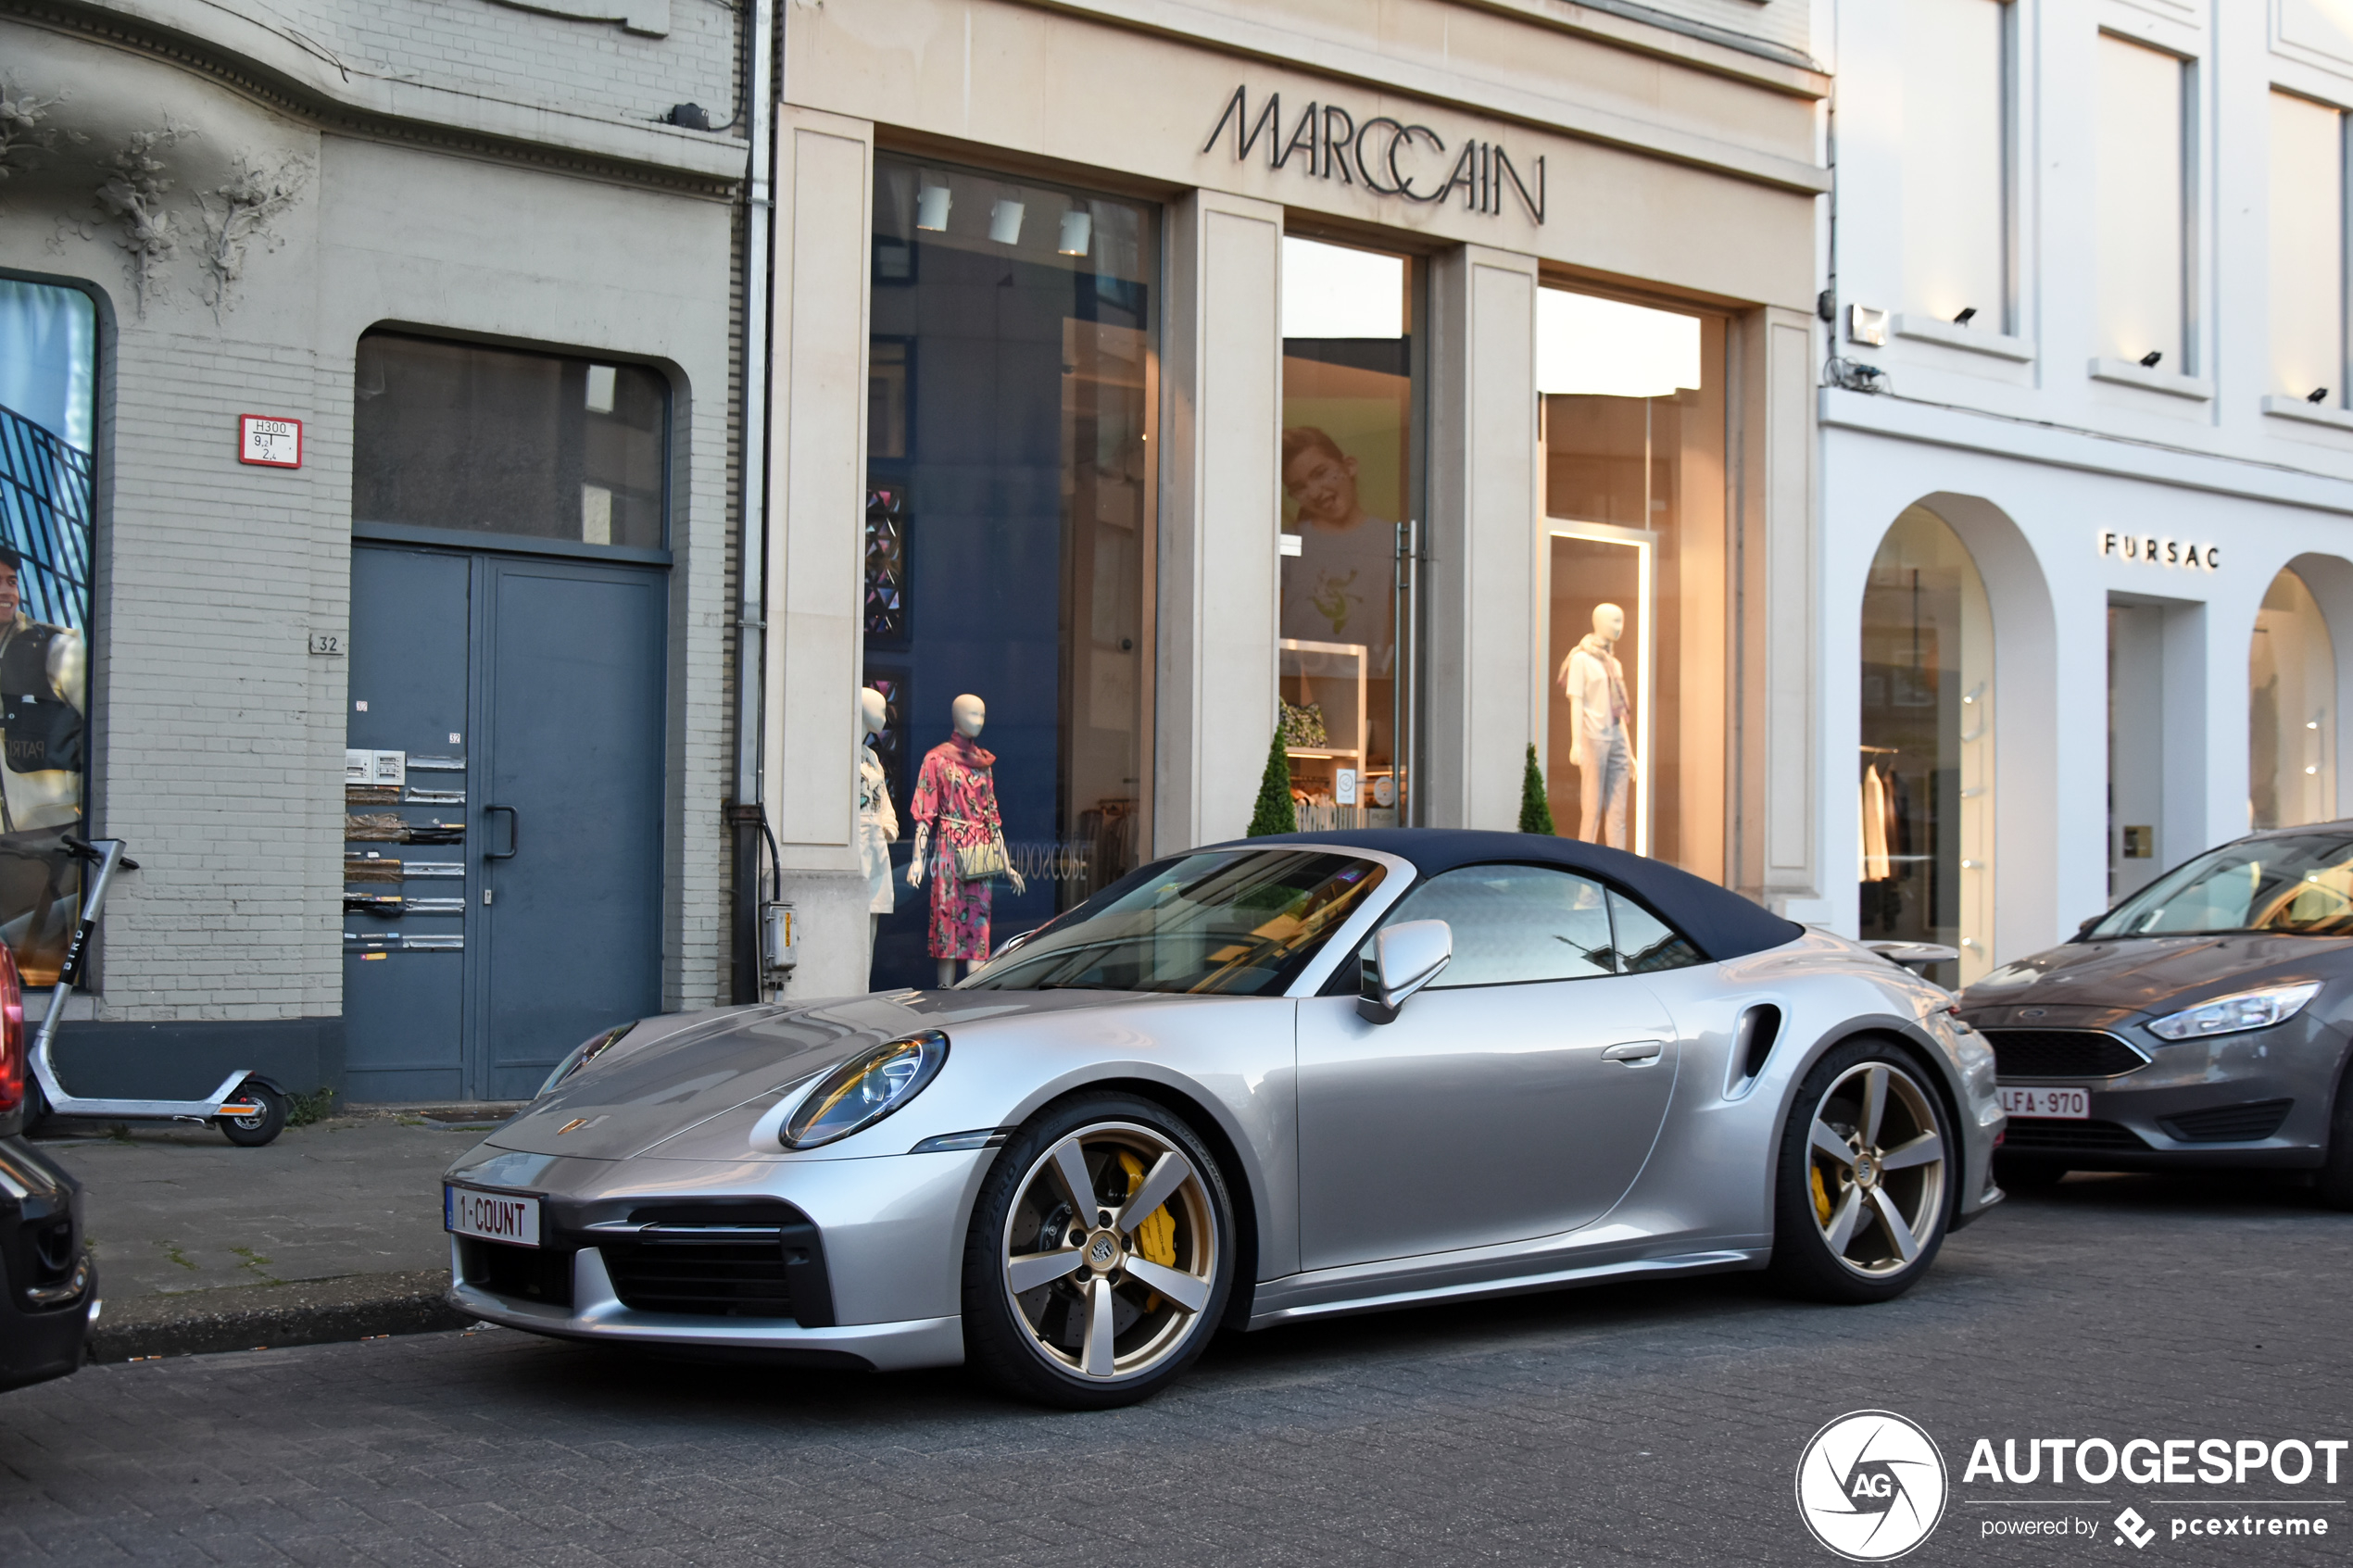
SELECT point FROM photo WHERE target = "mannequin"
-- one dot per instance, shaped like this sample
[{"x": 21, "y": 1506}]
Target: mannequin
[
  {"x": 957, "y": 791},
  {"x": 1601, "y": 744},
  {"x": 877, "y": 824}
]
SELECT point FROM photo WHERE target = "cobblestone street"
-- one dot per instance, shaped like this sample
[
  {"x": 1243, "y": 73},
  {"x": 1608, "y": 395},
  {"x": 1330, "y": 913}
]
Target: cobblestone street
[{"x": 1612, "y": 1426}]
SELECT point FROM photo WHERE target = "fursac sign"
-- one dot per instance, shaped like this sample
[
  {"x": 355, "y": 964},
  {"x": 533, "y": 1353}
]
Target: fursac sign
[
  {"x": 2148, "y": 550},
  {"x": 1386, "y": 157}
]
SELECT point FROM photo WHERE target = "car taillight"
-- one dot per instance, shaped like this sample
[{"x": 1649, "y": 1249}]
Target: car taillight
[{"x": 12, "y": 1066}]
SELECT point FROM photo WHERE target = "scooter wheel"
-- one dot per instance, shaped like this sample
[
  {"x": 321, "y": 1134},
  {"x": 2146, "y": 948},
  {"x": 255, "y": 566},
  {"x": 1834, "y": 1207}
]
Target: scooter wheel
[{"x": 252, "y": 1132}]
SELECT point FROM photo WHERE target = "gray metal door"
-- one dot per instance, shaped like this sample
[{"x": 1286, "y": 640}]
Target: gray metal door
[
  {"x": 524, "y": 699},
  {"x": 1482, "y": 1115}
]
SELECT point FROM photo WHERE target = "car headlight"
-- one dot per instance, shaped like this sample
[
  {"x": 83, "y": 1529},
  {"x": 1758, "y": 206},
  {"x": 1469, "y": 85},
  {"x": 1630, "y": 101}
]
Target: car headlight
[
  {"x": 586, "y": 1052},
  {"x": 864, "y": 1089},
  {"x": 2229, "y": 1015}
]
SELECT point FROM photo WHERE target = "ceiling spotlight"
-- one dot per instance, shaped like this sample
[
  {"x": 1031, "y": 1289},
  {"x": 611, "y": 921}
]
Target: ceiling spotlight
[
  {"x": 1962, "y": 319},
  {"x": 1078, "y": 230},
  {"x": 931, "y": 208},
  {"x": 2318, "y": 395},
  {"x": 2149, "y": 359},
  {"x": 1004, "y": 222}
]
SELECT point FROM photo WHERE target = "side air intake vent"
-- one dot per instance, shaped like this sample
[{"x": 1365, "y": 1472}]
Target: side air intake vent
[{"x": 1753, "y": 1041}]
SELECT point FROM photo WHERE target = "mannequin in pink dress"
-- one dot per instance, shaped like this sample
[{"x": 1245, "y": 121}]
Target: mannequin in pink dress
[{"x": 956, "y": 793}]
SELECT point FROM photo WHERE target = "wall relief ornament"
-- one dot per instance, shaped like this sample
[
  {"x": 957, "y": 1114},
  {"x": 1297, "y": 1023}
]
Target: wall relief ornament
[{"x": 245, "y": 211}]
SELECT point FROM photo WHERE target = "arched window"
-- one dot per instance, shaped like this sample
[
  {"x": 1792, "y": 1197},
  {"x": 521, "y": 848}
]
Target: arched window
[
  {"x": 1925, "y": 774},
  {"x": 2291, "y": 710}
]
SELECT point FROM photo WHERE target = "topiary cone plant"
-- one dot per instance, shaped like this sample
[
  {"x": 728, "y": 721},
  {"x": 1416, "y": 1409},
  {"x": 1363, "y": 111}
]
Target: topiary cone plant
[
  {"x": 1275, "y": 812},
  {"x": 1535, "y": 806}
]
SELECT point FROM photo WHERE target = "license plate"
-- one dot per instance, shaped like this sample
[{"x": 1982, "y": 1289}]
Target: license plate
[
  {"x": 491, "y": 1215},
  {"x": 2058, "y": 1105}
]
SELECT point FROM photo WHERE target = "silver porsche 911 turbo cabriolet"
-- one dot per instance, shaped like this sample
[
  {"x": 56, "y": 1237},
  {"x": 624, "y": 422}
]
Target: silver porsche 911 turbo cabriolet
[{"x": 1249, "y": 1084}]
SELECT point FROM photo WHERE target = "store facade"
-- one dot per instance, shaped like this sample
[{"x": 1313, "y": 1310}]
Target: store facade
[
  {"x": 365, "y": 415},
  {"x": 1432, "y": 383}
]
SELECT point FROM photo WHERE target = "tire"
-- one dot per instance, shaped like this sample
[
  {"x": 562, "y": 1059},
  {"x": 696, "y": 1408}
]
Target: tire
[
  {"x": 2027, "y": 1175},
  {"x": 1846, "y": 1226},
  {"x": 2335, "y": 1184},
  {"x": 1113, "y": 1307},
  {"x": 252, "y": 1132}
]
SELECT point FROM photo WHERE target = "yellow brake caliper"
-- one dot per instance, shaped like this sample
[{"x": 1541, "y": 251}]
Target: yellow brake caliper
[
  {"x": 1821, "y": 1194},
  {"x": 1156, "y": 1235}
]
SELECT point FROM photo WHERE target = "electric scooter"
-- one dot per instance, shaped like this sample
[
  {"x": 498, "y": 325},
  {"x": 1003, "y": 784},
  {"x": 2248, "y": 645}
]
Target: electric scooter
[{"x": 248, "y": 1112}]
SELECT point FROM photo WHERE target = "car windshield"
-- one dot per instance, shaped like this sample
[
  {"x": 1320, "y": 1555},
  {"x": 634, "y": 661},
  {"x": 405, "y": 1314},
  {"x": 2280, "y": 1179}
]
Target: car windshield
[
  {"x": 2301, "y": 884},
  {"x": 1237, "y": 923}
]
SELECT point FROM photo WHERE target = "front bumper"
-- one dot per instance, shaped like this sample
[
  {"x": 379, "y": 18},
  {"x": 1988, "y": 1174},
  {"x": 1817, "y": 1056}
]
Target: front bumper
[
  {"x": 842, "y": 1262},
  {"x": 2257, "y": 1101}
]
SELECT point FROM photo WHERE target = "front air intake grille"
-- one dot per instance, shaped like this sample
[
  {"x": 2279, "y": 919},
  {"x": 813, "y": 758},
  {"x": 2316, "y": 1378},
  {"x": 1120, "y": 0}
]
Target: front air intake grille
[
  {"x": 725, "y": 1260},
  {"x": 2034, "y": 1138},
  {"x": 2229, "y": 1123},
  {"x": 519, "y": 1274},
  {"x": 2062, "y": 1053}
]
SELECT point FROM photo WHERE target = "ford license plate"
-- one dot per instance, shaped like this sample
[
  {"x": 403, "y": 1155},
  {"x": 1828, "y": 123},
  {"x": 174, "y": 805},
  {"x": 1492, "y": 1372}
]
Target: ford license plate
[
  {"x": 493, "y": 1216},
  {"x": 2057, "y": 1105}
]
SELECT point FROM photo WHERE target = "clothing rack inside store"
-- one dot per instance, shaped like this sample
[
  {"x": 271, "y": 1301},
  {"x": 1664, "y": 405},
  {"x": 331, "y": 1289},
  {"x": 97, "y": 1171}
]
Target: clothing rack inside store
[{"x": 1884, "y": 750}]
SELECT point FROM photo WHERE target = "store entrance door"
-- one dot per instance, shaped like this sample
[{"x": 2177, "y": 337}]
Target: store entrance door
[
  {"x": 2135, "y": 746},
  {"x": 504, "y": 808}
]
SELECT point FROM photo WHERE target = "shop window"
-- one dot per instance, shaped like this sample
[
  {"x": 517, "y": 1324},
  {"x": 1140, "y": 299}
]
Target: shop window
[
  {"x": 1635, "y": 629},
  {"x": 1956, "y": 159},
  {"x": 1350, "y": 461},
  {"x": 2142, "y": 195},
  {"x": 1925, "y": 772},
  {"x": 48, "y": 418},
  {"x": 1010, "y": 427},
  {"x": 2307, "y": 281},
  {"x": 2291, "y": 710},
  {"x": 462, "y": 435}
]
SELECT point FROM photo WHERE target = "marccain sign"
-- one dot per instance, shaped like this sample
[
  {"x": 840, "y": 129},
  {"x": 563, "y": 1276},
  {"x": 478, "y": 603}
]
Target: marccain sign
[{"x": 1386, "y": 157}]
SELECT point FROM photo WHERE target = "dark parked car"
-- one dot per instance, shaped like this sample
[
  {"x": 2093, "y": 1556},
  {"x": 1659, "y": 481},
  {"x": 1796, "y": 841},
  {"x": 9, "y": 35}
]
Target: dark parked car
[
  {"x": 52, "y": 1284},
  {"x": 2201, "y": 1023}
]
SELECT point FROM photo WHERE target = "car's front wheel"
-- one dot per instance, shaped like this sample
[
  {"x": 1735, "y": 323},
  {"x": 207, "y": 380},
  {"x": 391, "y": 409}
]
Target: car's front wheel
[
  {"x": 1100, "y": 1255},
  {"x": 1863, "y": 1191}
]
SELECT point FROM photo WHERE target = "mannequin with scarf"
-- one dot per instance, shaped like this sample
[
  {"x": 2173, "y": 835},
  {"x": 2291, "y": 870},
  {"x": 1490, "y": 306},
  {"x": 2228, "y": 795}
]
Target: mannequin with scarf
[
  {"x": 1600, "y": 744},
  {"x": 956, "y": 793}
]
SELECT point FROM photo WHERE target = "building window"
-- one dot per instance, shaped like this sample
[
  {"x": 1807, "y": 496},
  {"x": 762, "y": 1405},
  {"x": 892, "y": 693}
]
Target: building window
[
  {"x": 48, "y": 421},
  {"x": 1350, "y": 461},
  {"x": 462, "y": 435},
  {"x": 1956, "y": 161},
  {"x": 2307, "y": 250},
  {"x": 1011, "y": 393},
  {"x": 2141, "y": 164},
  {"x": 1637, "y": 640},
  {"x": 2291, "y": 710},
  {"x": 1925, "y": 771}
]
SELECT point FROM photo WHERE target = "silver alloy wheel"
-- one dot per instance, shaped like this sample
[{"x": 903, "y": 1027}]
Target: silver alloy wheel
[
  {"x": 1110, "y": 1249},
  {"x": 1876, "y": 1169}
]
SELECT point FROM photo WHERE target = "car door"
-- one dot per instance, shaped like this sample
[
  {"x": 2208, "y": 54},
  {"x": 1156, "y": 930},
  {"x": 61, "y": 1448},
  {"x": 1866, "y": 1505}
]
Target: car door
[{"x": 1518, "y": 1096}]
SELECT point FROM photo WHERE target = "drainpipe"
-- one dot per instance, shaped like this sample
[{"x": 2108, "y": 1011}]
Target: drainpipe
[{"x": 748, "y": 813}]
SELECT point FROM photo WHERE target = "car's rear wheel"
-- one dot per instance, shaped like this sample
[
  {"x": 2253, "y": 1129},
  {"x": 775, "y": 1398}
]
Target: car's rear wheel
[
  {"x": 1863, "y": 1193},
  {"x": 1100, "y": 1255}
]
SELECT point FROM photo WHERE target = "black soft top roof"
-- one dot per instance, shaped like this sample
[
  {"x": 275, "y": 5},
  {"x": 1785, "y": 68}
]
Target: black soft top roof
[{"x": 1721, "y": 922}]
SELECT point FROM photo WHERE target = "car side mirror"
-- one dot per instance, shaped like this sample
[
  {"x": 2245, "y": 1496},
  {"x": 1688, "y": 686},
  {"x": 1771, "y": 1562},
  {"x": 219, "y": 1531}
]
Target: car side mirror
[{"x": 1405, "y": 958}]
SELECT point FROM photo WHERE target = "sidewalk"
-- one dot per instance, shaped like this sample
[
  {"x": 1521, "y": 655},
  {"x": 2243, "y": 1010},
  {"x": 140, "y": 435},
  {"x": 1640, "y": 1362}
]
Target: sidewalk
[{"x": 333, "y": 1232}]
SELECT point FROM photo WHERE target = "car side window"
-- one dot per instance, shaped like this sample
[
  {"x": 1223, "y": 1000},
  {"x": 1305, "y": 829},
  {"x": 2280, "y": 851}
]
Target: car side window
[
  {"x": 1514, "y": 923},
  {"x": 1646, "y": 943}
]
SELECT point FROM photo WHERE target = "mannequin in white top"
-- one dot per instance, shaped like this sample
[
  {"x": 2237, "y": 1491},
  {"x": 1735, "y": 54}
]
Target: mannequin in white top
[
  {"x": 1601, "y": 744},
  {"x": 877, "y": 822}
]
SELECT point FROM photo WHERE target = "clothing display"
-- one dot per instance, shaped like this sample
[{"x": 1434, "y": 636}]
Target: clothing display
[
  {"x": 877, "y": 830},
  {"x": 1885, "y": 813},
  {"x": 956, "y": 799},
  {"x": 1602, "y": 746},
  {"x": 1339, "y": 589}
]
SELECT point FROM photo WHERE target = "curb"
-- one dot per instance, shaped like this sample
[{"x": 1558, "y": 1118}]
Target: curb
[{"x": 261, "y": 1317}]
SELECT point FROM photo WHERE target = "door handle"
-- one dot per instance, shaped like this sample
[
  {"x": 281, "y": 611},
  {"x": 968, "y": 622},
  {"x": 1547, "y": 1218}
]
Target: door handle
[
  {"x": 514, "y": 833},
  {"x": 1634, "y": 1053}
]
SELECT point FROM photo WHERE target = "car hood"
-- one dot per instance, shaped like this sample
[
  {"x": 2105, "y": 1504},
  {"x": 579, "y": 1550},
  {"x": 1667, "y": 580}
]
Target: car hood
[
  {"x": 2143, "y": 975},
  {"x": 633, "y": 1100}
]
